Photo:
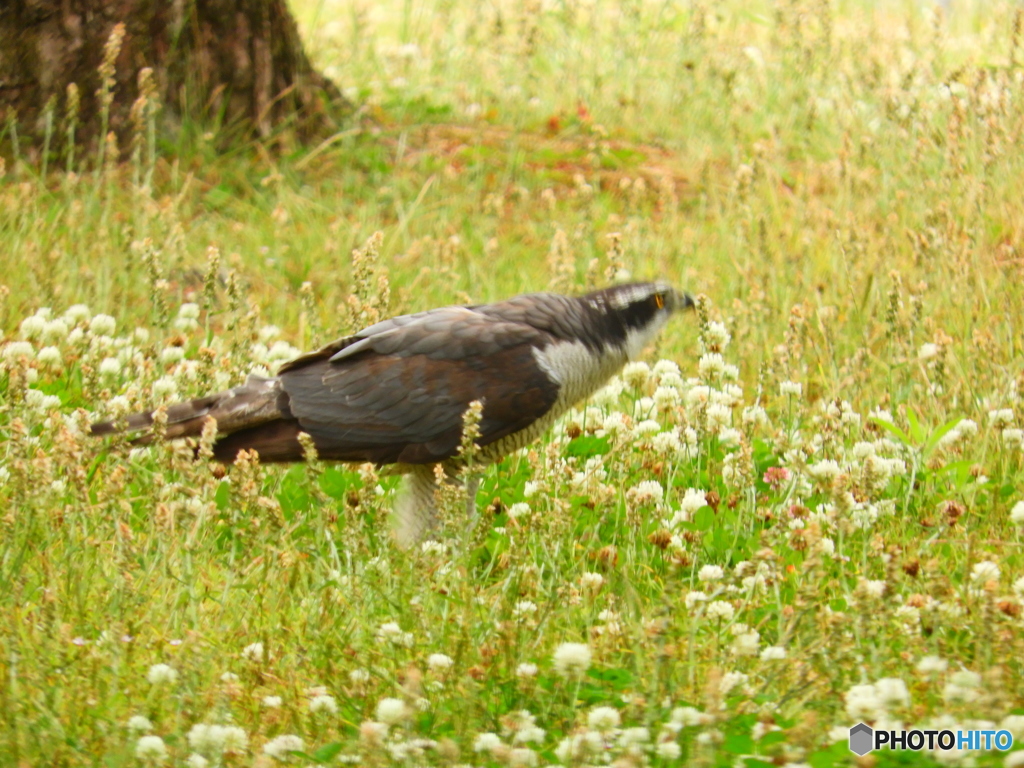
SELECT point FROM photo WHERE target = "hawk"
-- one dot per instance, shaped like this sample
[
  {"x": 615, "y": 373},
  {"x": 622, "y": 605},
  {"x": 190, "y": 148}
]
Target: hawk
[{"x": 395, "y": 392}]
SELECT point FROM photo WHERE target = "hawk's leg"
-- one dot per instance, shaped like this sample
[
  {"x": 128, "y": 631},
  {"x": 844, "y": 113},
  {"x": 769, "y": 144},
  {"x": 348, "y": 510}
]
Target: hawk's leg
[{"x": 415, "y": 508}]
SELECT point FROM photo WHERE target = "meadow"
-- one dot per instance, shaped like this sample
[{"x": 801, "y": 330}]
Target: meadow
[{"x": 802, "y": 510}]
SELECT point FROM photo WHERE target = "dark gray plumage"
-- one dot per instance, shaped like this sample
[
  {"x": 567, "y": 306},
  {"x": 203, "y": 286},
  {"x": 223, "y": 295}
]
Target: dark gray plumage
[{"x": 396, "y": 392}]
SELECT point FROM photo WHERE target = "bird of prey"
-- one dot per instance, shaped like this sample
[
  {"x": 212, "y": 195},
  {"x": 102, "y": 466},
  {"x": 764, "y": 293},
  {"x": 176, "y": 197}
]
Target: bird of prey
[{"x": 395, "y": 392}]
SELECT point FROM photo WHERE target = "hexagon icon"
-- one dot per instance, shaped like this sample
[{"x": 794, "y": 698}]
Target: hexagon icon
[{"x": 861, "y": 739}]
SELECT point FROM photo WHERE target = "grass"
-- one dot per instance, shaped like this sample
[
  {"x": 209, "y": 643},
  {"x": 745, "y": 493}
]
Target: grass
[{"x": 816, "y": 521}]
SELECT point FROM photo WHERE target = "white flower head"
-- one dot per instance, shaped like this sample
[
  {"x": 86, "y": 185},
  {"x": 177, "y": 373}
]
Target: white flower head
[
  {"x": 603, "y": 719},
  {"x": 711, "y": 573},
  {"x": 139, "y": 724},
  {"x": 392, "y": 711},
  {"x": 984, "y": 571},
  {"x": 160, "y": 674},
  {"x": 572, "y": 659},
  {"x": 151, "y": 749},
  {"x": 636, "y": 374},
  {"x": 253, "y": 652},
  {"x": 281, "y": 747},
  {"x": 323, "y": 704},
  {"x": 439, "y": 662},
  {"x": 526, "y": 670},
  {"x": 102, "y": 325},
  {"x": 791, "y": 389},
  {"x": 1017, "y": 513}
]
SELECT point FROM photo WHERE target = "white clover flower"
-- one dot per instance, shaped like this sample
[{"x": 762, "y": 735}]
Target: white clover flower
[
  {"x": 517, "y": 510},
  {"x": 633, "y": 739},
  {"x": 646, "y": 427},
  {"x": 253, "y": 652},
  {"x": 33, "y": 326},
  {"x": 50, "y": 356},
  {"x": 773, "y": 653},
  {"x": 165, "y": 388},
  {"x": 755, "y": 415},
  {"x": 720, "y": 609},
  {"x": 524, "y": 608},
  {"x": 1012, "y": 438},
  {"x": 272, "y": 702},
  {"x": 373, "y": 733},
  {"x": 110, "y": 366},
  {"x": 791, "y": 388},
  {"x": 391, "y": 711},
  {"x": 667, "y": 443},
  {"x": 392, "y": 633},
  {"x": 102, "y": 325},
  {"x": 636, "y": 374},
  {"x": 487, "y": 742},
  {"x": 646, "y": 492},
  {"x": 711, "y": 573},
  {"x": 282, "y": 350},
  {"x": 76, "y": 314},
  {"x": 966, "y": 428},
  {"x": 439, "y": 662},
  {"x": 162, "y": 673},
  {"x": 323, "y": 704},
  {"x": 139, "y": 724},
  {"x": 196, "y": 761},
  {"x": 729, "y": 436},
  {"x": 668, "y": 750},
  {"x": 522, "y": 757},
  {"x": 929, "y": 665},
  {"x": 693, "y": 499},
  {"x": 873, "y": 587},
  {"x": 984, "y": 571},
  {"x": 711, "y": 365},
  {"x": 664, "y": 368},
  {"x": 189, "y": 311},
  {"x": 609, "y": 394},
  {"x": 892, "y": 692},
  {"x": 824, "y": 471},
  {"x": 359, "y": 676},
  {"x": 667, "y": 398},
  {"x": 267, "y": 333},
  {"x": 17, "y": 349},
  {"x": 746, "y": 643},
  {"x": 171, "y": 355},
  {"x": 281, "y": 747},
  {"x": 1017, "y": 513},
  {"x": 526, "y": 670},
  {"x": 694, "y": 597},
  {"x": 730, "y": 680},
  {"x": 688, "y": 717},
  {"x": 927, "y": 351},
  {"x": 151, "y": 749},
  {"x": 55, "y": 330},
  {"x": 717, "y": 335},
  {"x": 603, "y": 719},
  {"x": 1000, "y": 418},
  {"x": 719, "y": 416},
  {"x": 591, "y": 581},
  {"x": 863, "y": 703},
  {"x": 572, "y": 659}
]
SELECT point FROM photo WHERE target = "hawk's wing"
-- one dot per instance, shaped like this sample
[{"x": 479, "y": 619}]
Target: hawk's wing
[{"x": 397, "y": 391}]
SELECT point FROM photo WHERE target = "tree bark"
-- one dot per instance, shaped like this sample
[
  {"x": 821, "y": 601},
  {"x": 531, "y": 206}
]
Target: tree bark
[{"x": 237, "y": 64}]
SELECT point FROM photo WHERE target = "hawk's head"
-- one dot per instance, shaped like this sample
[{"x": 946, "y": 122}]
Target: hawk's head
[{"x": 632, "y": 314}]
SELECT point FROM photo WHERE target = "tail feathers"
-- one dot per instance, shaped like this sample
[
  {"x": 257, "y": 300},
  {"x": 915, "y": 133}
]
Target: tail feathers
[{"x": 256, "y": 402}]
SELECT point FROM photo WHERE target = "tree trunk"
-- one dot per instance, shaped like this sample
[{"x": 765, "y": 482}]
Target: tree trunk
[{"x": 237, "y": 64}]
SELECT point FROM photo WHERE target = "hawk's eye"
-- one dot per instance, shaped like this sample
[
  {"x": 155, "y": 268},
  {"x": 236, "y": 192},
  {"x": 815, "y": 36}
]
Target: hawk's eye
[{"x": 659, "y": 300}]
